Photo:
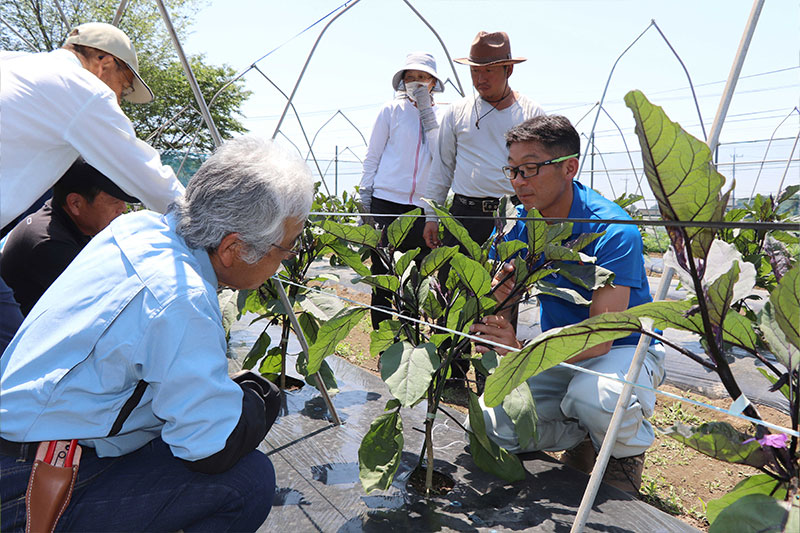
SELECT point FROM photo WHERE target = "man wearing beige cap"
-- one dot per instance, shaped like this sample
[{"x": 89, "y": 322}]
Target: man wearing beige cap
[
  {"x": 472, "y": 147},
  {"x": 65, "y": 103}
]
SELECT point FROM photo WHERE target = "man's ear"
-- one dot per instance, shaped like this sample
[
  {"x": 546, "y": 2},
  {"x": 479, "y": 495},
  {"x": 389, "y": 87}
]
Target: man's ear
[
  {"x": 509, "y": 70},
  {"x": 572, "y": 166},
  {"x": 74, "y": 203},
  {"x": 228, "y": 249}
]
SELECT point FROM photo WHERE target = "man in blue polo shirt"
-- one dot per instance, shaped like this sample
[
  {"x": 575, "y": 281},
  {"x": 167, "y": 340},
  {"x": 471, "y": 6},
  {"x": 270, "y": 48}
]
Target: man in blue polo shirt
[{"x": 574, "y": 408}]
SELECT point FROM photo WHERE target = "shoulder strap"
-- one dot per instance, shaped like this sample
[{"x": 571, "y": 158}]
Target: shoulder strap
[{"x": 128, "y": 408}]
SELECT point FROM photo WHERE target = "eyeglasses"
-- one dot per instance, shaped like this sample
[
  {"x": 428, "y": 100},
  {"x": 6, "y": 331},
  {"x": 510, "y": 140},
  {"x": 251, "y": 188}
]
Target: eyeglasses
[
  {"x": 529, "y": 170},
  {"x": 296, "y": 248},
  {"x": 129, "y": 77}
]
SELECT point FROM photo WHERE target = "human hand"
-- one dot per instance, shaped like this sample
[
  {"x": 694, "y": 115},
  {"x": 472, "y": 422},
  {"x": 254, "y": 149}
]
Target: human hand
[
  {"x": 503, "y": 283},
  {"x": 497, "y": 329},
  {"x": 431, "y": 234},
  {"x": 421, "y": 94}
]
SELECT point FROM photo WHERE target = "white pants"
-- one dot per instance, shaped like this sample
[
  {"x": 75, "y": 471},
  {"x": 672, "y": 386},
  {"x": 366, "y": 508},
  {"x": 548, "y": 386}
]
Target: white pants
[{"x": 571, "y": 404}]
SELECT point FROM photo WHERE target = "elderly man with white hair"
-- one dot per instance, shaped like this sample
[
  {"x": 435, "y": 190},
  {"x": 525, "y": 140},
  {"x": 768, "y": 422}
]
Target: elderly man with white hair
[{"x": 126, "y": 352}]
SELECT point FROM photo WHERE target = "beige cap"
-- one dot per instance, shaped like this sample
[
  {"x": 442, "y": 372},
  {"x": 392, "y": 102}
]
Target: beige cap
[{"x": 111, "y": 39}]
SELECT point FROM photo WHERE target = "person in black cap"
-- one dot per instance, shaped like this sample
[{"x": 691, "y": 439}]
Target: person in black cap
[{"x": 42, "y": 245}]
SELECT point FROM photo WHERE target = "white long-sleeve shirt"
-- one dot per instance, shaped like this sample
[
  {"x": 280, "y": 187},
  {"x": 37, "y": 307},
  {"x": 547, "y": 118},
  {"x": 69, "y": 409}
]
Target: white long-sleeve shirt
[
  {"x": 52, "y": 110},
  {"x": 469, "y": 158},
  {"x": 399, "y": 154}
]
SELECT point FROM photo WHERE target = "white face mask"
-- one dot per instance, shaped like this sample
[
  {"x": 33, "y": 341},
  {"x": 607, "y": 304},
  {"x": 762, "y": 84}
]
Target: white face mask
[{"x": 413, "y": 86}]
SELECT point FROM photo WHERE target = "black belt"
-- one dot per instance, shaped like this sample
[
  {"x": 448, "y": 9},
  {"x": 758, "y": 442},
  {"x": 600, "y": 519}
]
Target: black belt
[
  {"x": 485, "y": 205},
  {"x": 21, "y": 450}
]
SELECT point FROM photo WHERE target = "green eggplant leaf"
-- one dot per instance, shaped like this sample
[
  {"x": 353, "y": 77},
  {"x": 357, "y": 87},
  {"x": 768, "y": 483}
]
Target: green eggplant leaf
[
  {"x": 521, "y": 409},
  {"x": 487, "y": 455},
  {"x": 557, "y": 252},
  {"x": 380, "y": 452},
  {"x": 404, "y": 261},
  {"x": 323, "y": 305},
  {"x": 784, "y": 351},
  {"x": 349, "y": 258},
  {"x": 326, "y": 373},
  {"x": 681, "y": 174},
  {"x": 383, "y": 281},
  {"x": 431, "y": 306},
  {"x": 271, "y": 364},
  {"x": 785, "y": 300},
  {"x": 720, "y": 295},
  {"x": 383, "y": 337},
  {"x": 756, "y": 484},
  {"x": 332, "y": 333},
  {"x": 309, "y": 325},
  {"x": 461, "y": 234},
  {"x": 471, "y": 274},
  {"x": 438, "y": 257},
  {"x": 537, "y": 232},
  {"x": 752, "y": 512},
  {"x": 558, "y": 233},
  {"x": 407, "y": 370},
  {"x": 553, "y": 347},
  {"x": 365, "y": 235},
  {"x": 399, "y": 229},
  {"x": 720, "y": 440},
  {"x": 228, "y": 307},
  {"x": 506, "y": 249},
  {"x": 583, "y": 240},
  {"x": 257, "y": 351},
  {"x": 569, "y": 295},
  {"x": 587, "y": 276}
]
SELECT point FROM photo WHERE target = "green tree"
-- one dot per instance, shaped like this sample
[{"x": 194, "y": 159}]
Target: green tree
[{"x": 37, "y": 26}]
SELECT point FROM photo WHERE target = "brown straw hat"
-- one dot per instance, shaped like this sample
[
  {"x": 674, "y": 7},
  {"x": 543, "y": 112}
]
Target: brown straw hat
[{"x": 490, "y": 49}]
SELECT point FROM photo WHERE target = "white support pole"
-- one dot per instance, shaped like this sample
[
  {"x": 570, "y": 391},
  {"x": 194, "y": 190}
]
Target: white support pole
[
  {"x": 733, "y": 77},
  {"x": 616, "y": 419},
  {"x": 304, "y": 344},
  {"x": 633, "y": 372},
  {"x": 120, "y": 10},
  {"x": 198, "y": 96}
]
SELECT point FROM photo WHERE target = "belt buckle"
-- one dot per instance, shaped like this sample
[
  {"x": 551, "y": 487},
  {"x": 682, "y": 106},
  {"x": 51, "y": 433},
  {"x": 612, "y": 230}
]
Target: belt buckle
[{"x": 488, "y": 206}]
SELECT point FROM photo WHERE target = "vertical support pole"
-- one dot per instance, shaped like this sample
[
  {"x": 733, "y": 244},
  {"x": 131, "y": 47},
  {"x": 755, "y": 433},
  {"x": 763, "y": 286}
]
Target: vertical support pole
[
  {"x": 201, "y": 103},
  {"x": 120, "y": 10},
  {"x": 336, "y": 172},
  {"x": 591, "y": 179},
  {"x": 733, "y": 77},
  {"x": 304, "y": 345}
]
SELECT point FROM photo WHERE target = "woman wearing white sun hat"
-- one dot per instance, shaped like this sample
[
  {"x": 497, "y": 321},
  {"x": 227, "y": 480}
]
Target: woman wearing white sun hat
[{"x": 399, "y": 157}]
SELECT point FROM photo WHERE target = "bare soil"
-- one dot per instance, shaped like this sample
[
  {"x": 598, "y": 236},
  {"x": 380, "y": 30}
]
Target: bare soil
[{"x": 677, "y": 480}]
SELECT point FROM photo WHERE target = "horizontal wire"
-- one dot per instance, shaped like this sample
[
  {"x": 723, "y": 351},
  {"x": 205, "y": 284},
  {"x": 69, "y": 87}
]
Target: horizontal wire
[
  {"x": 764, "y": 226},
  {"x": 565, "y": 365}
]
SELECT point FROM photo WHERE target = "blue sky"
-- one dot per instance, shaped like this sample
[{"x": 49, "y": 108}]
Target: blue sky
[{"x": 571, "y": 46}]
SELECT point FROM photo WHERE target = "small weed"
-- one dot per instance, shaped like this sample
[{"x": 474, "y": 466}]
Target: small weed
[
  {"x": 346, "y": 350},
  {"x": 673, "y": 413}
]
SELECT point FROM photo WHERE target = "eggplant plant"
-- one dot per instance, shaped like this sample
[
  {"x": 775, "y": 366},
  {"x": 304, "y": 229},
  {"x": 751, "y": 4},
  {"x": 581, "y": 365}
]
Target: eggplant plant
[
  {"x": 452, "y": 289},
  {"x": 688, "y": 187},
  {"x": 322, "y": 316}
]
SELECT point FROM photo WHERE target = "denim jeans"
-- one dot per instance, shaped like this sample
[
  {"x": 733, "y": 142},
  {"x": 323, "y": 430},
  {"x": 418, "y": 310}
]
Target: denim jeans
[
  {"x": 10, "y": 315},
  {"x": 149, "y": 490}
]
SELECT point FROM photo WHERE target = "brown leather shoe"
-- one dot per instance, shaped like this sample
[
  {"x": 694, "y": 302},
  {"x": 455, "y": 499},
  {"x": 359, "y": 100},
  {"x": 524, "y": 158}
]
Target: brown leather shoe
[
  {"x": 625, "y": 474},
  {"x": 581, "y": 457}
]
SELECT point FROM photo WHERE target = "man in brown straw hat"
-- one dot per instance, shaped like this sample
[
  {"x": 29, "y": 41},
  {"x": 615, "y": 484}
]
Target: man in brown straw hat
[
  {"x": 65, "y": 103},
  {"x": 472, "y": 147}
]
